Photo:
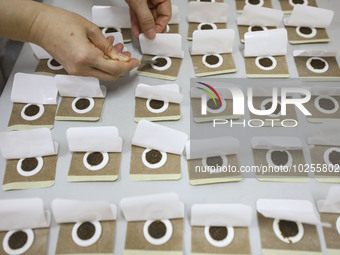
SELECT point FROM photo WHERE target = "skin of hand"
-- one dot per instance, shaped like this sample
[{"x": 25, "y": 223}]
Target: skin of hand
[
  {"x": 72, "y": 40},
  {"x": 149, "y": 16}
]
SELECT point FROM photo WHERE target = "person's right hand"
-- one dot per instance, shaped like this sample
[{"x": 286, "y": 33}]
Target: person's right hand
[{"x": 79, "y": 45}]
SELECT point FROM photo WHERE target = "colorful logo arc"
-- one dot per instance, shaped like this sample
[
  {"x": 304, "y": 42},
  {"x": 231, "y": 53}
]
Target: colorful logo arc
[{"x": 209, "y": 93}]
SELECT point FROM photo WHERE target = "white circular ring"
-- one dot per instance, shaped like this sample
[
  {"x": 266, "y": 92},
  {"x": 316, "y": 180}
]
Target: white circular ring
[
  {"x": 311, "y": 35},
  {"x": 34, "y": 171},
  {"x": 269, "y": 100},
  {"x": 257, "y": 63},
  {"x": 221, "y": 109},
  {"x": 34, "y": 117},
  {"x": 106, "y": 28},
  {"x": 157, "y": 165},
  {"x": 163, "y": 239},
  {"x": 162, "y": 109},
  {"x": 92, "y": 240},
  {"x": 270, "y": 161},
  {"x": 291, "y": 239},
  {"x": 22, "y": 250},
  {"x": 327, "y": 153},
  {"x": 223, "y": 243},
  {"x": 52, "y": 67},
  {"x": 218, "y": 64},
  {"x": 312, "y": 69},
  {"x": 96, "y": 167},
  {"x": 263, "y": 27},
  {"x": 338, "y": 225},
  {"x": 305, "y": 2},
  {"x": 162, "y": 68},
  {"x": 89, "y": 108},
  {"x": 317, "y": 104},
  {"x": 259, "y": 4},
  {"x": 224, "y": 161},
  {"x": 199, "y": 27}
]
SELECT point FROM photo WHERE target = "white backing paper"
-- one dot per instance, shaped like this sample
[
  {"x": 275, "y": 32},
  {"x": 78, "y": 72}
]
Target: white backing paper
[
  {"x": 27, "y": 144},
  {"x": 40, "y": 52},
  {"x": 79, "y": 86},
  {"x": 324, "y": 91},
  {"x": 211, "y": 147},
  {"x": 230, "y": 215},
  {"x": 207, "y": 12},
  {"x": 332, "y": 202},
  {"x": 309, "y": 16},
  {"x": 102, "y": 139},
  {"x": 34, "y": 89},
  {"x": 18, "y": 214},
  {"x": 111, "y": 16},
  {"x": 315, "y": 53},
  {"x": 167, "y": 45},
  {"x": 286, "y": 209},
  {"x": 212, "y": 41},
  {"x": 152, "y": 207},
  {"x": 328, "y": 134},
  {"x": 66, "y": 211},
  {"x": 167, "y": 92},
  {"x": 175, "y": 15},
  {"x": 271, "y": 42},
  {"x": 276, "y": 142},
  {"x": 260, "y": 16},
  {"x": 158, "y": 137}
]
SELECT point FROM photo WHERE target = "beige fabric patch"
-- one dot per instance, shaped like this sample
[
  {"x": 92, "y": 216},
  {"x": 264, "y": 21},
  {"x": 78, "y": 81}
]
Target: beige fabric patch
[
  {"x": 280, "y": 71},
  {"x": 287, "y": 8},
  {"x": 294, "y": 38},
  {"x": 241, "y": 3},
  {"x": 318, "y": 116}
]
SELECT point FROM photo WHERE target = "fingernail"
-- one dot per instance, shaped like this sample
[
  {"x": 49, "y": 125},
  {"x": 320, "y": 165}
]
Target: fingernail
[
  {"x": 123, "y": 57},
  {"x": 151, "y": 33}
]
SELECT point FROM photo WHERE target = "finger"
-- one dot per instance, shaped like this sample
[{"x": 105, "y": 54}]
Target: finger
[
  {"x": 145, "y": 18},
  {"x": 94, "y": 72},
  {"x": 97, "y": 38},
  {"x": 119, "y": 47},
  {"x": 128, "y": 53},
  {"x": 163, "y": 16},
  {"x": 136, "y": 30},
  {"x": 115, "y": 67}
]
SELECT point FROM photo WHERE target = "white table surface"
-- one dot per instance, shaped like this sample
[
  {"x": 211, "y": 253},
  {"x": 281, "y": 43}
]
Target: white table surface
[{"x": 118, "y": 110}]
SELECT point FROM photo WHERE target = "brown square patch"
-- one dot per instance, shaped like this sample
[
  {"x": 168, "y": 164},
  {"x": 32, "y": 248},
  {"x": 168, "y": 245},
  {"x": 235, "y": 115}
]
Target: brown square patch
[
  {"x": 44, "y": 178},
  {"x": 331, "y": 234},
  {"x": 318, "y": 116},
  {"x": 171, "y": 170},
  {"x": 65, "y": 111},
  {"x": 294, "y": 38},
  {"x": 241, "y": 3},
  {"x": 227, "y": 66},
  {"x": 168, "y": 74},
  {"x": 104, "y": 245},
  {"x": 16, "y": 122},
  {"x": 78, "y": 172},
  {"x": 141, "y": 111},
  {"x": 42, "y": 68},
  {"x": 194, "y": 26},
  {"x": 287, "y": 8},
  {"x": 173, "y": 29},
  {"x": 242, "y": 29},
  {"x": 280, "y": 71}
]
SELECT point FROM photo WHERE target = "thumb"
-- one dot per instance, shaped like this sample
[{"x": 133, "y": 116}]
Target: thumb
[
  {"x": 105, "y": 45},
  {"x": 145, "y": 18}
]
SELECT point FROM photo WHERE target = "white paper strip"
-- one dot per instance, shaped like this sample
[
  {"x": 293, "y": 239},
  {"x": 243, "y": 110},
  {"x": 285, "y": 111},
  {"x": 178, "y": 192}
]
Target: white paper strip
[
  {"x": 167, "y": 92},
  {"x": 230, "y": 215},
  {"x": 332, "y": 202},
  {"x": 324, "y": 91},
  {"x": 79, "y": 86},
  {"x": 207, "y": 12},
  {"x": 34, "y": 89},
  {"x": 66, "y": 211},
  {"x": 271, "y": 42},
  {"x": 18, "y": 214},
  {"x": 223, "y": 92},
  {"x": 168, "y": 45},
  {"x": 158, "y": 137},
  {"x": 102, "y": 139},
  {"x": 276, "y": 142},
  {"x": 27, "y": 144},
  {"x": 111, "y": 16},
  {"x": 211, "y": 147},
  {"x": 212, "y": 41},
  {"x": 328, "y": 134},
  {"x": 309, "y": 16},
  {"x": 152, "y": 207},
  {"x": 260, "y": 16},
  {"x": 40, "y": 52},
  {"x": 286, "y": 209},
  {"x": 175, "y": 15},
  {"x": 315, "y": 53}
]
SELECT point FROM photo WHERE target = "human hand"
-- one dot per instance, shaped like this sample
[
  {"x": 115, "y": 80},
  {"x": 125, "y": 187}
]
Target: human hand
[
  {"x": 79, "y": 45},
  {"x": 149, "y": 16}
]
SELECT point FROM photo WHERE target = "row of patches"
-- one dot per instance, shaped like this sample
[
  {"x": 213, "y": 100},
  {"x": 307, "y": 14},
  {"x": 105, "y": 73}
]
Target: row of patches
[
  {"x": 155, "y": 225},
  {"x": 156, "y": 155}
]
